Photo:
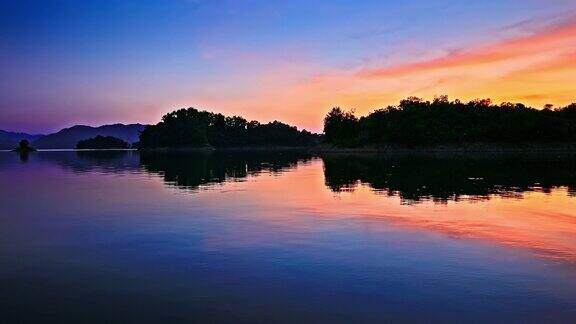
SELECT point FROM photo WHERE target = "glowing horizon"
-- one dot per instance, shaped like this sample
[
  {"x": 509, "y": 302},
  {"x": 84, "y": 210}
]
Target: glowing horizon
[{"x": 132, "y": 62}]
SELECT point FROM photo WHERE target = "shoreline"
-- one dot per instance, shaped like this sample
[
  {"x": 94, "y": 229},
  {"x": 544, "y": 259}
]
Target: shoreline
[
  {"x": 474, "y": 148},
  {"x": 328, "y": 149}
]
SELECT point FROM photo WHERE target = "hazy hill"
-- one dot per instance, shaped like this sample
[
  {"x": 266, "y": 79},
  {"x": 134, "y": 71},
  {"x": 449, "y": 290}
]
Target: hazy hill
[
  {"x": 9, "y": 140},
  {"x": 67, "y": 138}
]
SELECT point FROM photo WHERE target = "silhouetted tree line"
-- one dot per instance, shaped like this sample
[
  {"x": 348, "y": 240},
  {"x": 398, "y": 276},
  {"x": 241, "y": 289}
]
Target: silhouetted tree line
[
  {"x": 193, "y": 128},
  {"x": 101, "y": 143},
  {"x": 415, "y": 122},
  {"x": 445, "y": 178}
]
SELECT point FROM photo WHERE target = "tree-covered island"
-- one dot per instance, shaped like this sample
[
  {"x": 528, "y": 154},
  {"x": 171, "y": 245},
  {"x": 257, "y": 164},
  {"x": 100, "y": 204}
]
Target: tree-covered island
[
  {"x": 412, "y": 123},
  {"x": 190, "y": 127},
  {"x": 418, "y": 123},
  {"x": 102, "y": 143}
]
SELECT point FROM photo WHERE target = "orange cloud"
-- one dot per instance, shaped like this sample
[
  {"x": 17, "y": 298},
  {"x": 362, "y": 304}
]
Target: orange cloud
[
  {"x": 552, "y": 41},
  {"x": 535, "y": 69}
]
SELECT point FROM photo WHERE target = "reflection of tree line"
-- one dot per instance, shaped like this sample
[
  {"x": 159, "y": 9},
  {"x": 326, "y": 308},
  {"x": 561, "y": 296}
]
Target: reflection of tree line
[
  {"x": 191, "y": 170},
  {"x": 442, "y": 179},
  {"x": 184, "y": 169},
  {"x": 413, "y": 178}
]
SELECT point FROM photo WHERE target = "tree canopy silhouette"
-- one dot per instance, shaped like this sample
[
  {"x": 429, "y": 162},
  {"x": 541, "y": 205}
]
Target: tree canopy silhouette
[
  {"x": 24, "y": 147},
  {"x": 101, "y": 143},
  {"x": 194, "y": 128},
  {"x": 24, "y": 144},
  {"x": 415, "y": 122}
]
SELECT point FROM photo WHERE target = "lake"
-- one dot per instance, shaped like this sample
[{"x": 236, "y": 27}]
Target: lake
[{"x": 286, "y": 237}]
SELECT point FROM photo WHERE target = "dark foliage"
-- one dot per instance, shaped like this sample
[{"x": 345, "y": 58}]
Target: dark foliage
[
  {"x": 193, "y": 128},
  {"x": 415, "y": 122},
  {"x": 102, "y": 143},
  {"x": 24, "y": 144},
  {"x": 24, "y": 147},
  {"x": 341, "y": 128}
]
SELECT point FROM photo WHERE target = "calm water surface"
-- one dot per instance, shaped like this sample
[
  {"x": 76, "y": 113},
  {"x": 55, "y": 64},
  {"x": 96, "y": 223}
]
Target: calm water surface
[{"x": 286, "y": 237}]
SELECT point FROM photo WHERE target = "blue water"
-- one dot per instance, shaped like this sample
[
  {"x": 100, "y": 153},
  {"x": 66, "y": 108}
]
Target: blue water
[{"x": 280, "y": 237}]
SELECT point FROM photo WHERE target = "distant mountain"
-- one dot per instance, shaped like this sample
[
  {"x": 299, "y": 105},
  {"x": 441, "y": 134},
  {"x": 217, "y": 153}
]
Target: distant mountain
[
  {"x": 67, "y": 138},
  {"x": 9, "y": 140}
]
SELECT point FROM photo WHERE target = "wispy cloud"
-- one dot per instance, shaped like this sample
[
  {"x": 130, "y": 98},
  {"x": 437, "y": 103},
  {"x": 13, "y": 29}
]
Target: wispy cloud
[
  {"x": 554, "y": 41},
  {"x": 536, "y": 68}
]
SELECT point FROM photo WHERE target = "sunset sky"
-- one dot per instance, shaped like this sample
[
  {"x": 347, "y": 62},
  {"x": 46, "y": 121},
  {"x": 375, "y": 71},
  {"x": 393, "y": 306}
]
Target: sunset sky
[{"x": 97, "y": 62}]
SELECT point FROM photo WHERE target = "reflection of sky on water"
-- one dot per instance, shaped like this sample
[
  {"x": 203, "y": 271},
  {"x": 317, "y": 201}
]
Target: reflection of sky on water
[{"x": 280, "y": 239}]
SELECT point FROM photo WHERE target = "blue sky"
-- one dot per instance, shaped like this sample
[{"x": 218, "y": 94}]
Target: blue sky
[{"x": 95, "y": 62}]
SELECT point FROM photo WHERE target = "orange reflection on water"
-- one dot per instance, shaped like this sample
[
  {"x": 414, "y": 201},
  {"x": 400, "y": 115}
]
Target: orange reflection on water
[{"x": 543, "y": 223}]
